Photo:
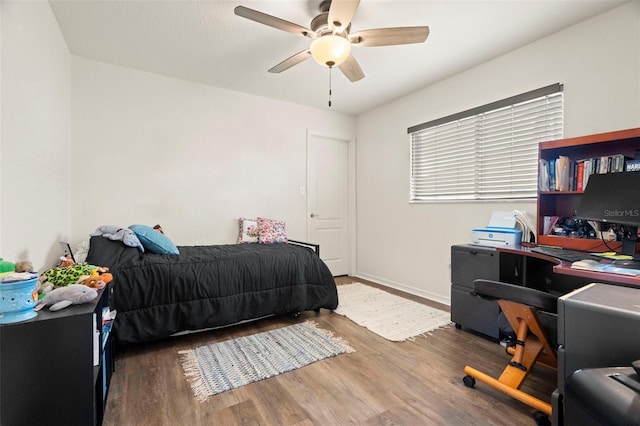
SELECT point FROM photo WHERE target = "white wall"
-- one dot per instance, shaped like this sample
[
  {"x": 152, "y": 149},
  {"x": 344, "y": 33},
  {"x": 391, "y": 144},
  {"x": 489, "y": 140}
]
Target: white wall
[
  {"x": 407, "y": 246},
  {"x": 35, "y": 136},
  {"x": 151, "y": 149}
]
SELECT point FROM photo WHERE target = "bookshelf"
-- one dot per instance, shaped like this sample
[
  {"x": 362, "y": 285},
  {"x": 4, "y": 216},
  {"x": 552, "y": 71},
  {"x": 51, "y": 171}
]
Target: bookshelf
[{"x": 563, "y": 203}]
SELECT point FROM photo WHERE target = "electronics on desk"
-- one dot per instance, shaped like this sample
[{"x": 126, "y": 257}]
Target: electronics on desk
[
  {"x": 614, "y": 198},
  {"x": 501, "y": 231}
]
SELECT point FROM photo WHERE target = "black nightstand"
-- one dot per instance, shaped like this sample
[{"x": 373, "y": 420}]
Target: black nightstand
[{"x": 55, "y": 369}]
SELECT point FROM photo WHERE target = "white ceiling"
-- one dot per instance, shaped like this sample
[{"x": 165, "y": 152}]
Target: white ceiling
[{"x": 205, "y": 42}]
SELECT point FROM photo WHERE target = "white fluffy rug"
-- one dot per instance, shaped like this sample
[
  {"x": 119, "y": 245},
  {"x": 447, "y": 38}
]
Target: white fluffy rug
[{"x": 392, "y": 317}]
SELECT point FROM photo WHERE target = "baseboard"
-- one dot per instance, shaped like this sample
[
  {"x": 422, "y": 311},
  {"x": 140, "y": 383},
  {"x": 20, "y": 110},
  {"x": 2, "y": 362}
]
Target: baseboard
[{"x": 406, "y": 288}]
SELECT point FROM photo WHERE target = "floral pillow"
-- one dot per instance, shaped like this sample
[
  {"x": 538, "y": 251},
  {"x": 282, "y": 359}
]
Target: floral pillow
[
  {"x": 271, "y": 231},
  {"x": 248, "y": 231}
]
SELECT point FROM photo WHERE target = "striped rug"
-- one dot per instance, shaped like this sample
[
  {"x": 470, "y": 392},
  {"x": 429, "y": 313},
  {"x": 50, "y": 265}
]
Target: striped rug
[
  {"x": 222, "y": 366},
  {"x": 392, "y": 317}
]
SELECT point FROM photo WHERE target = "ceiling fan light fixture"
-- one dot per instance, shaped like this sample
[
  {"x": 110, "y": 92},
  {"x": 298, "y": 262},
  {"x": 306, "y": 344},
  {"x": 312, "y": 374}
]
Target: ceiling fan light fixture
[{"x": 330, "y": 50}]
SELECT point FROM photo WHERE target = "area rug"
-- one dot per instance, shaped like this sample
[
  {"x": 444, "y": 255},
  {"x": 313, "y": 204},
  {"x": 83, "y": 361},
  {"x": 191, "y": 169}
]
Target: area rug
[
  {"x": 222, "y": 366},
  {"x": 392, "y": 317}
]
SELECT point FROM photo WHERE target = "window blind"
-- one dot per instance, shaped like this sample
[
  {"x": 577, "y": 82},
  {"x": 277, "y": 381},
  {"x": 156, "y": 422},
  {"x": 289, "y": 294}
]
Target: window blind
[{"x": 488, "y": 153}]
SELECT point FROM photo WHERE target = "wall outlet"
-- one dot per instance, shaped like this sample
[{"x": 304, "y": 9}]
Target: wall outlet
[{"x": 302, "y": 191}]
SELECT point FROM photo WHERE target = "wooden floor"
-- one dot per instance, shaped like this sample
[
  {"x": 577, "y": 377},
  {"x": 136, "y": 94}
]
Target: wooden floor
[{"x": 382, "y": 383}]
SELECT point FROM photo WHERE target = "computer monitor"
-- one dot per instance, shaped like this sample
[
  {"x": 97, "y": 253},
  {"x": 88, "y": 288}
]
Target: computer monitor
[{"x": 614, "y": 198}]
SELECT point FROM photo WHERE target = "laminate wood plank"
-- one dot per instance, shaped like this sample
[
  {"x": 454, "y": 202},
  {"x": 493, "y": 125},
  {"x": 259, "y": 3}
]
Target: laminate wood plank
[
  {"x": 275, "y": 404},
  {"x": 381, "y": 383},
  {"x": 243, "y": 413}
]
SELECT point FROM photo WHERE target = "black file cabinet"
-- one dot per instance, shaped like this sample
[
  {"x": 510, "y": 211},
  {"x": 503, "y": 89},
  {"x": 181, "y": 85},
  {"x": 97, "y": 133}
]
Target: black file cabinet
[{"x": 469, "y": 263}]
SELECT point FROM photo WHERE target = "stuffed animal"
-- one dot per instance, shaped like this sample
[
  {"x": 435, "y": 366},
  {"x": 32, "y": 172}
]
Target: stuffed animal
[
  {"x": 43, "y": 286},
  {"x": 66, "y": 261},
  {"x": 102, "y": 272},
  {"x": 6, "y": 268},
  {"x": 24, "y": 266},
  {"x": 93, "y": 281},
  {"x": 63, "y": 276},
  {"x": 74, "y": 294},
  {"x": 126, "y": 235}
]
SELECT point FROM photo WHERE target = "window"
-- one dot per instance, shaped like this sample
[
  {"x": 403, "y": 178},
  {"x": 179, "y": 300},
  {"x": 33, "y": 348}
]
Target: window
[{"x": 486, "y": 153}]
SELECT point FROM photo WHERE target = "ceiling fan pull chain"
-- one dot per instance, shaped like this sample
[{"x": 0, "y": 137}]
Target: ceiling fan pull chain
[{"x": 330, "y": 87}]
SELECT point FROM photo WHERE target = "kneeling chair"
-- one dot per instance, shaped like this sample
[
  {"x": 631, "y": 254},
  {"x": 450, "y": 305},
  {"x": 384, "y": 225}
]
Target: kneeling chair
[{"x": 533, "y": 316}]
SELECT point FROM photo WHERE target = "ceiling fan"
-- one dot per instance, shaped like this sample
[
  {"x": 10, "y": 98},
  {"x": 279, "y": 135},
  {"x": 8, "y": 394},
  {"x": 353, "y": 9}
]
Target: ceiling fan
[{"x": 331, "y": 37}]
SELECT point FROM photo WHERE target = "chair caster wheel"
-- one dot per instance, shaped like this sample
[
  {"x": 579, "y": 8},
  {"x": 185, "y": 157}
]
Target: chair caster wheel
[
  {"x": 541, "y": 419},
  {"x": 469, "y": 381},
  {"x": 458, "y": 326}
]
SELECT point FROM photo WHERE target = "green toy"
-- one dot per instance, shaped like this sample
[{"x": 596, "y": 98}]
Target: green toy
[{"x": 6, "y": 267}]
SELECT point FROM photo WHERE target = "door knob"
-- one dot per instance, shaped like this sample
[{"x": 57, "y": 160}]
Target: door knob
[{"x": 314, "y": 215}]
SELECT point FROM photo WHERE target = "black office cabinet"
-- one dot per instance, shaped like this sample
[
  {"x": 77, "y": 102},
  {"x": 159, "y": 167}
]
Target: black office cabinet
[
  {"x": 469, "y": 263},
  {"x": 597, "y": 327},
  {"x": 55, "y": 368}
]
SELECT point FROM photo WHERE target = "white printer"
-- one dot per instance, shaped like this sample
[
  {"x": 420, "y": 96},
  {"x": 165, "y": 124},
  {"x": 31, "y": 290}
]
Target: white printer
[{"x": 501, "y": 231}]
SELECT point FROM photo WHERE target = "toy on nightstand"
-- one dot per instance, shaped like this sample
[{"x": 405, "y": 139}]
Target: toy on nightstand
[
  {"x": 74, "y": 294},
  {"x": 98, "y": 279},
  {"x": 61, "y": 276},
  {"x": 24, "y": 266},
  {"x": 66, "y": 261},
  {"x": 92, "y": 281},
  {"x": 6, "y": 268}
]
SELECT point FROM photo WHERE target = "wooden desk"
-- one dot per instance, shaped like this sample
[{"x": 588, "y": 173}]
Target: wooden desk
[
  {"x": 513, "y": 265},
  {"x": 564, "y": 268}
]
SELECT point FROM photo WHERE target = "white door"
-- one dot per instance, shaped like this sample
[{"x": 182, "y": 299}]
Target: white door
[{"x": 327, "y": 199}]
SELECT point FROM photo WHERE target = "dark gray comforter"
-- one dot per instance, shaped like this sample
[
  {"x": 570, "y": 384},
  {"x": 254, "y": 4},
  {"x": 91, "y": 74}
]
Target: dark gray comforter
[{"x": 209, "y": 286}]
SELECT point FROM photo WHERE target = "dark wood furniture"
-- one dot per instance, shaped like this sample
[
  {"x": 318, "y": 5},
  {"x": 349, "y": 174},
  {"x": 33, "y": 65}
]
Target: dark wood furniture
[
  {"x": 55, "y": 368},
  {"x": 564, "y": 203},
  {"x": 559, "y": 275},
  {"x": 519, "y": 265}
]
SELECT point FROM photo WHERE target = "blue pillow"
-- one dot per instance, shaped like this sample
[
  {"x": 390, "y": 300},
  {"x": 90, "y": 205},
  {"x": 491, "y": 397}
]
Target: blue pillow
[{"x": 154, "y": 241}]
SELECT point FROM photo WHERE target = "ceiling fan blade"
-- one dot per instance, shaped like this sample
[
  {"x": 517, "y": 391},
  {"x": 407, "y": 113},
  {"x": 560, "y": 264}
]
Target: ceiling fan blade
[
  {"x": 351, "y": 69},
  {"x": 389, "y": 36},
  {"x": 340, "y": 14},
  {"x": 291, "y": 61},
  {"x": 272, "y": 21}
]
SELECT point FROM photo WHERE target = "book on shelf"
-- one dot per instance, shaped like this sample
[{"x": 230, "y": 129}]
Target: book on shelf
[
  {"x": 565, "y": 174},
  {"x": 562, "y": 173},
  {"x": 549, "y": 223},
  {"x": 543, "y": 175},
  {"x": 632, "y": 165},
  {"x": 580, "y": 176},
  {"x": 573, "y": 178}
]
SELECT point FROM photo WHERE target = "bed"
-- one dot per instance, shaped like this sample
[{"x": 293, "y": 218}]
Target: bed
[{"x": 157, "y": 296}]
